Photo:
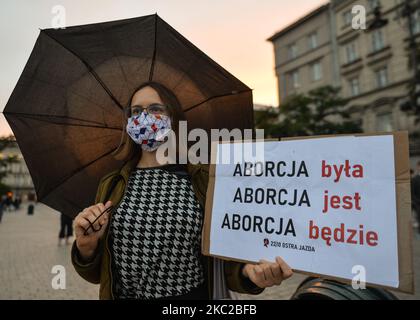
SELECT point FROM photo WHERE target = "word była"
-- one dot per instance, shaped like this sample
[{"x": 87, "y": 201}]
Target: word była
[{"x": 337, "y": 171}]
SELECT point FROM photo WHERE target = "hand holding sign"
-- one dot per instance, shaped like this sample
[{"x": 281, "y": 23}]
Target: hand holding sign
[
  {"x": 325, "y": 205},
  {"x": 266, "y": 273}
]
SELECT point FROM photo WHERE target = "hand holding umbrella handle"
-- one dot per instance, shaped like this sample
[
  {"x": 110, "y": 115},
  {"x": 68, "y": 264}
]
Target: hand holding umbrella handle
[{"x": 96, "y": 219}]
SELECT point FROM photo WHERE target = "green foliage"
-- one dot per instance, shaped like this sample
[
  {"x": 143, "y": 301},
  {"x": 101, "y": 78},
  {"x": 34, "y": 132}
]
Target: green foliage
[
  {"x": 266, "y": 119},
  {"x": 319, "y": 112}
]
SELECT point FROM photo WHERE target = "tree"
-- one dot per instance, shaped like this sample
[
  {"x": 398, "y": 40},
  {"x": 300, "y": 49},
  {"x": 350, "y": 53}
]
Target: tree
[
  {"x": 5, "y": 161},
  {"x": 266, "y": 119},
  {"x": 321, "y": 111}
]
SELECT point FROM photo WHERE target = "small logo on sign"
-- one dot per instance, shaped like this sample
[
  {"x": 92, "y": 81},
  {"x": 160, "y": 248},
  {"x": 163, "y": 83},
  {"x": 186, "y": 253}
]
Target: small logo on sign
[{"x": 266, "y": 242}]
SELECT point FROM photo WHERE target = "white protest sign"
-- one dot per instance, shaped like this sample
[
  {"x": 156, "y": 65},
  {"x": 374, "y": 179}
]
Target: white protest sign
[{"x": 324, "y": 205}]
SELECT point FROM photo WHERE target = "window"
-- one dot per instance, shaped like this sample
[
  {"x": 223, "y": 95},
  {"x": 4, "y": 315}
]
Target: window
[
  {"x": 354, "y": 86},
  {"x": 347, "y": 18},
  {"x": 351, "y": 52},
  {"x": 316, "y": 71},
  {"x": 416, "y": 22},
  {"x": 381, "y": 76},
  {"x": 384, "y": 122},
  {"x": 373, "y": 4},
  {"x": 293, "y": 52},
  {"x": 313, "y": 40},
  {"x": 377, "y": 40},
  {"x": 294, "y": 79}
]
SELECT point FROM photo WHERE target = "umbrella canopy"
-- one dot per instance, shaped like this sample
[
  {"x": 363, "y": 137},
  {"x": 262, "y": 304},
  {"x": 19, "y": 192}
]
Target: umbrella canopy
[{"x": 66, "y": 110}]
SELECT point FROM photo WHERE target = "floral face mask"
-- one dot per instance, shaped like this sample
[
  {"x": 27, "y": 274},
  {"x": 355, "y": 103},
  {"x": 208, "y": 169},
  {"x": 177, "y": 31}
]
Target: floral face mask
[{"x": 149, "y": 130}]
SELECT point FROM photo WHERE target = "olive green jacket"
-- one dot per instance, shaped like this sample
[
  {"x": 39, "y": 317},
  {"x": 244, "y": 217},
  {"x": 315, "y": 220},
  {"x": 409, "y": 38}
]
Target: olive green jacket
[{"x": 99, "y": 270}]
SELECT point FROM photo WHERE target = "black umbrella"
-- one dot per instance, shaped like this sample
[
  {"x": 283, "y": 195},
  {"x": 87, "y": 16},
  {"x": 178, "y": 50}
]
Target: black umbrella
[{"x": 66, "y": 109}]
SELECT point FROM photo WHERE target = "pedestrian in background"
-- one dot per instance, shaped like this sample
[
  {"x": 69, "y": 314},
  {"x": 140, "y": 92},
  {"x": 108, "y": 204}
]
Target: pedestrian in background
[
  {"x": 66, "y": 229},
  {"x": 16, "y": 203},
  {"x": 31, "y": 209},
  {"x": 1, "y": 208},
  {"x": 415, "y": 194},
  {"x": 8, "y": 203}
]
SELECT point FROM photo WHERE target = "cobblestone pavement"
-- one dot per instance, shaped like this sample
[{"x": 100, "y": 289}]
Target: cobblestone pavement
[{"x": 29, "y": 250}]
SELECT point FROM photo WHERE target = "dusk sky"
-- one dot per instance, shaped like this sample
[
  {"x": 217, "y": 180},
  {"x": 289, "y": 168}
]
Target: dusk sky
[{"x": 231, "y": 32}]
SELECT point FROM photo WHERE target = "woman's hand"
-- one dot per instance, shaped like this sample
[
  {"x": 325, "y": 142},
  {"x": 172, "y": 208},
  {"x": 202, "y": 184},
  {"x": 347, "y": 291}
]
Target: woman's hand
[
  {"x": 87, "y": 243},
  {"x": 266, "y": 274}
]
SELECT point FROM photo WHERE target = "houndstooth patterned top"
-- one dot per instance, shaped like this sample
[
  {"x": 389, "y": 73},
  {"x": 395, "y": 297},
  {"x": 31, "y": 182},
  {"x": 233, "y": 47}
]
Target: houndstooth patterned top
[{"x": 155, "y": 235}]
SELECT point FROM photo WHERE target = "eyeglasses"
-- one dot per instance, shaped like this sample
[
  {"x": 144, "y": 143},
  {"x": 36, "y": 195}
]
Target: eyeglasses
[{"x": 154, "y": 108}]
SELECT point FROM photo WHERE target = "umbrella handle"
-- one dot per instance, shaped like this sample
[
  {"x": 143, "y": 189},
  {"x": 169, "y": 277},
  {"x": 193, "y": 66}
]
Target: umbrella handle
[{"x": 96, "y": 219}]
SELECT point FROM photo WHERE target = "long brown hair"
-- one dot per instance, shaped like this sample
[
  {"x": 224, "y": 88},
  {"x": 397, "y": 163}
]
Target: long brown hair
[{"x": 128, "y": 149}]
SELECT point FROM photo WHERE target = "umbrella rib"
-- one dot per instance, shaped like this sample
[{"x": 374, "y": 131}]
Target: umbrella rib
[
  {"x": 77, "y": 171},
  {"x": 70, "y": 91},
  {"x": 90, "y": 69},
  {"x": 118, "y": 60},
  {"x": 152, "y": 66},
  {"x": 41, "y": 116},
  {"x": 85, "y": 141},
  {"x": 214, "y": 97}
]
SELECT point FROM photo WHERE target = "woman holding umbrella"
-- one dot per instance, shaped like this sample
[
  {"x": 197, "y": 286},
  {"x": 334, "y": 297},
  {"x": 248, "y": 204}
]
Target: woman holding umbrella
[
  {"x": 148, "y": 245},
  {"x": 71, "y": 95}
]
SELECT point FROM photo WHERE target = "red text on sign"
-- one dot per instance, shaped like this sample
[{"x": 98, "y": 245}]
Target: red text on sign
[
  {"x": 343, "y": 235},
  {"x": 345, "y": 202},
  {"x": 337, "y": 171}
]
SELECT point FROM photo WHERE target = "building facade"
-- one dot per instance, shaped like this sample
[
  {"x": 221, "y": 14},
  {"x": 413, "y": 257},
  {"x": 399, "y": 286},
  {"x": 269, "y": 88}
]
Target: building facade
[
  {"x": 303, "y": 54},
  {"x": 18, "y": 177},
  {"x": 370, "y": 65},
  {"x": 374, "y": 67}
]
